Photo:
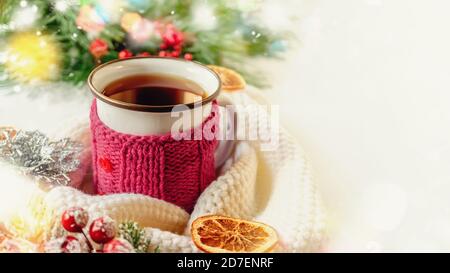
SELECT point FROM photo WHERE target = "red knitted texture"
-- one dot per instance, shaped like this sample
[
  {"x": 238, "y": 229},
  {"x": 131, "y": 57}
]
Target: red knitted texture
[{"x": 158, "y": 166}]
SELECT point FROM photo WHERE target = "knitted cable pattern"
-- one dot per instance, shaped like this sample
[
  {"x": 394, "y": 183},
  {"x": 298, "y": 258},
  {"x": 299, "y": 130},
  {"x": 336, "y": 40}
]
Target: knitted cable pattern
[{"x": 158, "y": 166}]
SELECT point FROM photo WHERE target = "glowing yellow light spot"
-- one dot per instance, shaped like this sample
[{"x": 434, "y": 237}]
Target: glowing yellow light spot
[{"x": 32, "y": 57}]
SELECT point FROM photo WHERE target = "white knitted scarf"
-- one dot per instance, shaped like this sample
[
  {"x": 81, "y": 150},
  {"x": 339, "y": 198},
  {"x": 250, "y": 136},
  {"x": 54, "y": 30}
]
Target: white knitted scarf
[{"x": 273, "y": 187}]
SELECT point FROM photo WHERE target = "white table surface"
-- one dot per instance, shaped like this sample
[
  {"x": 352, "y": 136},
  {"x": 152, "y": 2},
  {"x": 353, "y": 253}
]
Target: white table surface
[{"x": 367, "y": 92}]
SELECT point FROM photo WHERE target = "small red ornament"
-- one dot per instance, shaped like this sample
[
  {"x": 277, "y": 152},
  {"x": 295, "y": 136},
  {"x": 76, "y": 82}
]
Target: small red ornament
[
  {"x": 71, "y": 245},
  {"x": 188, "y": 56},
  {"x": 172, "y": 36},
  {"x": 144, "y": 54},
  {"x": 162, "y": 53},
  {"x": 74, "y": 219},
  {"x": 125, "y": 54},
  {"x": 105, "y": 164},
  {"x": 175, "y": 54},
  {"x": 98, "y": 48},
  {"x": 118, "y": 246},
  {"x": 102, "y": 230}
]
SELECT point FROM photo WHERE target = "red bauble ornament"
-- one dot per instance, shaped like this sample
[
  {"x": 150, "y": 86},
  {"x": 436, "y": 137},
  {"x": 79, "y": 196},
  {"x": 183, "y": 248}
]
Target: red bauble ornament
[
  {"x": 98, "y": 48},
  {"x": 102, "y": 230},
  {"x": 118, "y": 246},
  {"x": 74, "y": 219},
  {"x": 188, "y": 56},
  {"x": 125, "y": 54},
  {"x": 71, "y": 245}
]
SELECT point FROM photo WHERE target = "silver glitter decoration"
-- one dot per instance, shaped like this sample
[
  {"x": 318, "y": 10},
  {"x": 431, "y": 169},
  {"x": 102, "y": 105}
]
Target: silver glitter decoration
[{"x": 34, "y": 154}]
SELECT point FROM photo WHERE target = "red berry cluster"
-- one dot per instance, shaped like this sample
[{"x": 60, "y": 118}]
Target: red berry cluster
[
  {"x": 172, "y": 42},
  {"x": 102, "y": 231},
  {"x": 124, "y": 54}
]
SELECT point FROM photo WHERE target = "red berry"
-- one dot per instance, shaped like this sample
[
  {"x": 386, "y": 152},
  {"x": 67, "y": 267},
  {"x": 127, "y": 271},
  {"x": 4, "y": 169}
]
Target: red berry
[
  {"x": 144, "y": 54},
  {"x": 71, "y": 245},
  {"x": 171, "y": 37},
  {"x": 175, "y": 54},
  {"x": 118, "y": 246},
  {"x": 125, "y": 54},
  {"x": 102, "y": 230},
  {"x": 188, "y": 56},
  {"x": 162, "y": 53},
  {"x": 74, "y": 219}
]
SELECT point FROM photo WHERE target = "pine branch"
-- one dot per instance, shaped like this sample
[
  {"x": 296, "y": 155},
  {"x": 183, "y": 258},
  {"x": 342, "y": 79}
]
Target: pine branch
[
  {"x": 7, "y": 8},
  {"x": 131, "y": 232},
  {"x": 234, "y": 38}
]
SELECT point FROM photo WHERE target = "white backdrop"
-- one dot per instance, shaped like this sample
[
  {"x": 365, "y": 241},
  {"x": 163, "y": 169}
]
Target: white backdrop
[{"x": 367, "y": 92}]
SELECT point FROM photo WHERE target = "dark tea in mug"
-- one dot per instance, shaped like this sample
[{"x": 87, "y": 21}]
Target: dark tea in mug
[{"x": 155, "y": 89}]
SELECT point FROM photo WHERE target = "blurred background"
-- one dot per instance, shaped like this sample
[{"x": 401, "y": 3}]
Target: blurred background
[
  {"x": 364, "y": 87},
  {"x": 367, "y": 94}
]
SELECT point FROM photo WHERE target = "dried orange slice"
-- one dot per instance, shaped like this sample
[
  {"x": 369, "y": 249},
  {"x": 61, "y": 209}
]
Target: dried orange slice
[
  {"x": 231, "y": 80},
  {"x": 220, "y": 234}
]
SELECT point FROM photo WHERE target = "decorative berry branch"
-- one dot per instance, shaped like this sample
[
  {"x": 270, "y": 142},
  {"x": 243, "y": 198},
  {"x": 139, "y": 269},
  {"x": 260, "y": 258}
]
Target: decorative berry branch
[{"x": 102, "y": 231}]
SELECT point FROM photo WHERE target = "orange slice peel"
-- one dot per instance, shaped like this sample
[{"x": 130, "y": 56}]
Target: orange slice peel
[{"x": 220, "y": 234}]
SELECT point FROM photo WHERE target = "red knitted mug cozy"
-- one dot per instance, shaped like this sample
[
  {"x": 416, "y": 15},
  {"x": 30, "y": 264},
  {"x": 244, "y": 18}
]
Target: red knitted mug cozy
[{"x": 176, "y": 171}]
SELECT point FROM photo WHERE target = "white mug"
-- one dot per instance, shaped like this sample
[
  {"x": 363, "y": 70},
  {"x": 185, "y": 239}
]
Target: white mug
[{"x": 142, "y": 120}]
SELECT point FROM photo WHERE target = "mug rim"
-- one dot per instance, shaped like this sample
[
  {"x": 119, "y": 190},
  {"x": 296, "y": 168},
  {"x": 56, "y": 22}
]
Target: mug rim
[{"x": 151, "y": 108}]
